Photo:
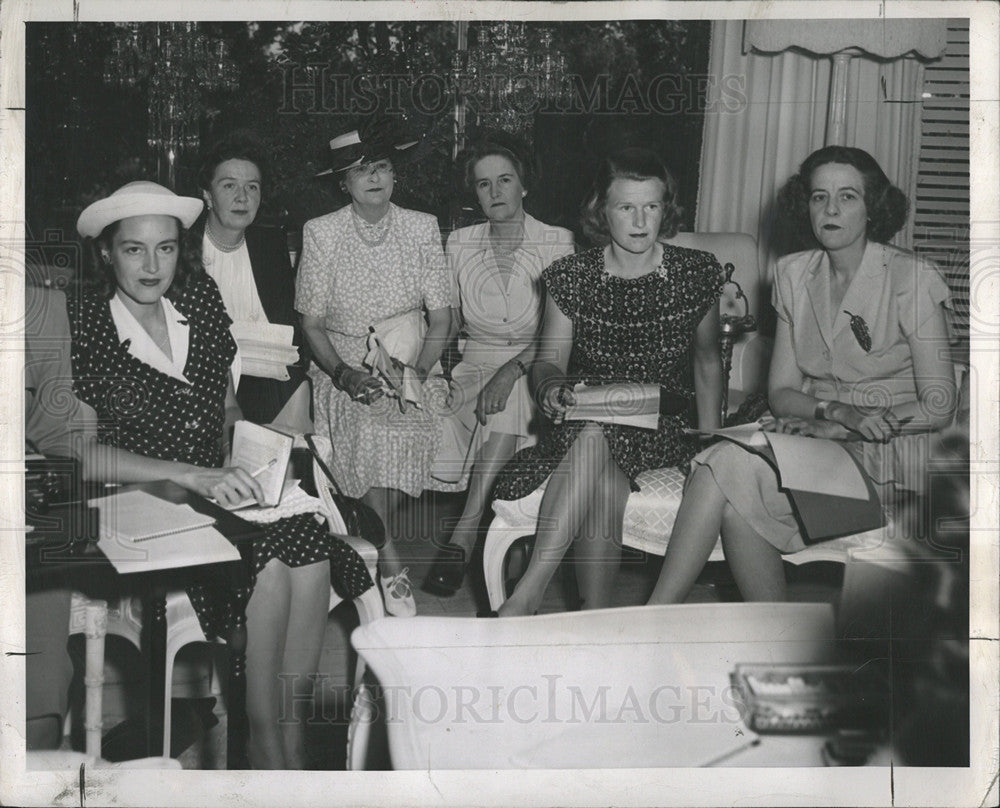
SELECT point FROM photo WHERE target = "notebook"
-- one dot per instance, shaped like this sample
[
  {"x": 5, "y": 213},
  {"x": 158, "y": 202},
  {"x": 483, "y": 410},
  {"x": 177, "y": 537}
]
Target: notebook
[
  {"x": 136, "y": 516},
  {"x": 140, "y": 533},
  {"x": 627, "y": 403},
  {"x": 263, "y": 453}
]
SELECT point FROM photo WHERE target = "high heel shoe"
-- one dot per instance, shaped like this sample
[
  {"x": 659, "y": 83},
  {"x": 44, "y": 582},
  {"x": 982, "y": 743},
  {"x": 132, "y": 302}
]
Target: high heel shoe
[{"x": 447, "y": 572}]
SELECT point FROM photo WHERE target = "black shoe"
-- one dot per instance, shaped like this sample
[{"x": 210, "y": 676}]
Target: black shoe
[
  {"x": 447, "y": 572},
  {"x": 491, "y": 613}
]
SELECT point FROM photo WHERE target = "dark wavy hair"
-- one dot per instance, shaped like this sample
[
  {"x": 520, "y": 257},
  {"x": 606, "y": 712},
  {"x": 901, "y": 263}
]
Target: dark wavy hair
[
  {"x": 885, "y": 204},
  {"x": 237, "y": 145},
  {"x": 494, "y": 145},
  {"x": 633, "y": 163},
  {"x": 99, "y": 275}
]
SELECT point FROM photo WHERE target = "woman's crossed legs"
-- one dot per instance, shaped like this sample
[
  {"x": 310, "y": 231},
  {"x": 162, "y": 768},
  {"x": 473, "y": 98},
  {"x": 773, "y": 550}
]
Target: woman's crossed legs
[{"x": 583, "y": 505}]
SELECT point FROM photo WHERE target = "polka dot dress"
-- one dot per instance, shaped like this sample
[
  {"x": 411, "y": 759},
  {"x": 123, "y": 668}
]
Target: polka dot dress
[
  {"x": 147, "y": 412},
  {"x": 624, "y": 330}
]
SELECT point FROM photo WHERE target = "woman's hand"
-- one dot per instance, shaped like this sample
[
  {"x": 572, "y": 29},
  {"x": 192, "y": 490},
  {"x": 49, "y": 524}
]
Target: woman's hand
[
  {"x": 227, "y": 486},
  {"x": 360, "y": 386},
  {"x": 879, "y": 427},
  {"x": 556, "y": 399},
  {"x": 493, "y": 397}
]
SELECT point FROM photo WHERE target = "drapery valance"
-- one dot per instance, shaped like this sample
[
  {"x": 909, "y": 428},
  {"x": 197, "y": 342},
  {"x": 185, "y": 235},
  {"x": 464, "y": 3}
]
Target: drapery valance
[
  {"x": 768, "y": 111},
  {"x": 885, "y": 39}
]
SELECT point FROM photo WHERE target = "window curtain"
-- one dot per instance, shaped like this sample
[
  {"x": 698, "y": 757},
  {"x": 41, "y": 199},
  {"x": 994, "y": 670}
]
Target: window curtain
[{"x": 766, "y": 113}]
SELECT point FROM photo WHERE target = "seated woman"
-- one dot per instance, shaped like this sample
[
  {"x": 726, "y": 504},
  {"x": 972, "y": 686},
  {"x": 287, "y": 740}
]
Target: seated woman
[
  {"x": 151, "y": 354},
  {"x": 373, "y": 264},
  {"x": 496, "y": 268},
  {"x": 630, "y": 311},
  {"x": 860, "y": 351},
  {"x": 249, "y": 264}
]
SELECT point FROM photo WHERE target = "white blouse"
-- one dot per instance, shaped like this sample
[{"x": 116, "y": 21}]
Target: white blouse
[
  {"x": 233, "y": 274},
  {"x": 144, "y": 348}
]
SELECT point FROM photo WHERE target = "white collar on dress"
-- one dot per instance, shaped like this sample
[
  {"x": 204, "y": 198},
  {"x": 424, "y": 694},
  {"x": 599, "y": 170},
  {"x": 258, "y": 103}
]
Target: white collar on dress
[{"x": 142, "y": 346}]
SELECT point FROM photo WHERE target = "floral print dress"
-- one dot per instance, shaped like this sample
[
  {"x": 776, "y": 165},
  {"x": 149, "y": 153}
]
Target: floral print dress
[{"x": 354, "y": 276}]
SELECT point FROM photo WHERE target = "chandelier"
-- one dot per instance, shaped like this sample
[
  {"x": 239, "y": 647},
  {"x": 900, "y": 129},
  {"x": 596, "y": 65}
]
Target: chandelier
[
  {"x": 176, "y": 62},
  {"x": 509, "y": 73}
]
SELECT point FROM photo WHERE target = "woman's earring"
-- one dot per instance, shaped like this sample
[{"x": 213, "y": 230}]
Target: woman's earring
[{"x": 106, "y": 257}]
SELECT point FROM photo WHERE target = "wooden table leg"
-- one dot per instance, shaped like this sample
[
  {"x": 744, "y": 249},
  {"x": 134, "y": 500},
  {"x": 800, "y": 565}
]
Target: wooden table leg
[
  {"x": 238, "y": 725},
  {"x": 155, "y": 647}
]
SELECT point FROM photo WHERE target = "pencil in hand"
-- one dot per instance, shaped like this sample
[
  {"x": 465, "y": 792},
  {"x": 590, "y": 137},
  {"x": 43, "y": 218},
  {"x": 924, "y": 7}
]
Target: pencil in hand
[{"x": 263, "y": 468}]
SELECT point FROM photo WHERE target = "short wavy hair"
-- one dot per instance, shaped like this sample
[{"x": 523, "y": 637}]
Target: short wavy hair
[
  {"x": 237, "y": 145},
  {"x": 494, "y": 145},
  {"x": 633, "y": 163},
  {"x": 99, "y": 275},
  {"x": 885, "y": 204}
]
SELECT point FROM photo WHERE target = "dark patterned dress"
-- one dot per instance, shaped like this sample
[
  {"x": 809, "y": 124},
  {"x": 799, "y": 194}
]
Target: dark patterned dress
[
  {"x": 150, "y": 413},
  {"x": 624, "y": 330}
]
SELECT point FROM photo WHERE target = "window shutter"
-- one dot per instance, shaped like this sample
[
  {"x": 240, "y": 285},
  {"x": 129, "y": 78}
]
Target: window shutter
[{"x": 941, "y": 208}]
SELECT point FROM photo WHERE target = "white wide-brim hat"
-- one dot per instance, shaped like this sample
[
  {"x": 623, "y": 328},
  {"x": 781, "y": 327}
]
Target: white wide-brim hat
[{"x": 142, "y": 198}]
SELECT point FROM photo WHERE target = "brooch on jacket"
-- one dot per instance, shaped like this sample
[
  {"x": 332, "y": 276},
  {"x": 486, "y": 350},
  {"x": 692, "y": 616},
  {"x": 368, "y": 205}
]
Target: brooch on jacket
[{"x": 860, "y": 330}]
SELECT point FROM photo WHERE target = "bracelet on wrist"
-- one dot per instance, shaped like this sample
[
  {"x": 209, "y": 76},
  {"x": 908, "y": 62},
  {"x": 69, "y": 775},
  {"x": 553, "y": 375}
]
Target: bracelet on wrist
[
  {"x": 521, "y": 367},
  {"x": 337, "y": 375},
  {"x": 546, "y": 386},
  {"x": 820, "y": 413}
]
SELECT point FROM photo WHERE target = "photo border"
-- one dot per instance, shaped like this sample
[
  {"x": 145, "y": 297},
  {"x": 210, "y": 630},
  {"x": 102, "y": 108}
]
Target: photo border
[{"x": 623, "y": 787}]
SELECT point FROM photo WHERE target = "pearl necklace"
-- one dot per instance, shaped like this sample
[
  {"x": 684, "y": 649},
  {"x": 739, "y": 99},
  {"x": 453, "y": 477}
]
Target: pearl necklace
[
  {"x": 221, "y": 247},
  {"x": 372, "y": 235}
]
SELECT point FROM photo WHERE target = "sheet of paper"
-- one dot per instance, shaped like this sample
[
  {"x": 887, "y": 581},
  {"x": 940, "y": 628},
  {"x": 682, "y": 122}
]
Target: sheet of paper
[
  {"x": 744, "y": 434},
  {"x": 264, "y": 334},
  {"x": 266, "y": 349},
  {"x": 265, "y": 369},
  {"x": 816, "y": 465}
]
